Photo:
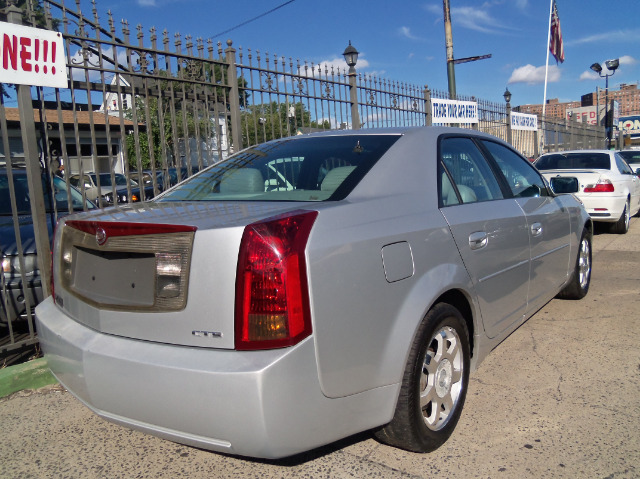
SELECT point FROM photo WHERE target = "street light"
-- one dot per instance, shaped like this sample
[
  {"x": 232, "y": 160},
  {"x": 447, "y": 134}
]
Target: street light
[
  {"x": 351, "y": 57},
  {"x": 612, "y": 66},
  {"x": 507, "y": 98}
]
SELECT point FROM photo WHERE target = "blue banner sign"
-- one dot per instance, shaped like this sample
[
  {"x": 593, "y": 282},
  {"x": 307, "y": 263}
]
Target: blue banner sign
[
  {"x": 453, "y": 111},
  {"x": 630, "y": 125},
  {"x": 523, "y": 121}
]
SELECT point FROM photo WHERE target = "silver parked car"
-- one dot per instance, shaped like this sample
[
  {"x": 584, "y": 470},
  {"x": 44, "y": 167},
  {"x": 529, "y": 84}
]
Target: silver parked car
[{"x": 310, "y": 288}]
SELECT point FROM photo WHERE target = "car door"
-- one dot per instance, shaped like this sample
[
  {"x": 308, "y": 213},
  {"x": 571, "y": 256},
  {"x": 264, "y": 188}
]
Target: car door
[
  {"x": 490, "y": 232},
  {"x": 548, "y": 223},
  {"x": 632, "y": 181}
]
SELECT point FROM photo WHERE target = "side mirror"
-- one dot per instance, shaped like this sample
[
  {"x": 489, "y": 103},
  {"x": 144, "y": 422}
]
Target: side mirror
[
  {"x": 637, "y": 172},
  {"x": 564, "y": 184}
]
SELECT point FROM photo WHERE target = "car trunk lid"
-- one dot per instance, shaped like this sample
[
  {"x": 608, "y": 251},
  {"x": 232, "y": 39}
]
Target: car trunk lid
[
  {"x": 162, "y": 272},
  {"x": 585, "y": 177}
]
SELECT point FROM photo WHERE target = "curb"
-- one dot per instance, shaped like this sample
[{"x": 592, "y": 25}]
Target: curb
[{"x": 30, "y": 375}]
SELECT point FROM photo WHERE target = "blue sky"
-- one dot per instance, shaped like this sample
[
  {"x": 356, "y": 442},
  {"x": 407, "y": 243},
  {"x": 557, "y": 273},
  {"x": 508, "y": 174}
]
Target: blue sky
[{"x": 404, "y": 41}]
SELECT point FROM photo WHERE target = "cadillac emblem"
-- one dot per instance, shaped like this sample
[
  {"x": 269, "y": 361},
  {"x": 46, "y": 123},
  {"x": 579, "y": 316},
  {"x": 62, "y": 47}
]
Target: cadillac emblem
[{"x": 101, "y": 236}]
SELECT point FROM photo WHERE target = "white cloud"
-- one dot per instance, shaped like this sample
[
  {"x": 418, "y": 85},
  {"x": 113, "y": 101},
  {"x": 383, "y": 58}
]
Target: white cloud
[
  {"x": 472, "y": 18},
  {"x": 147, "y": 3},
  {"x": 614, "y": 36},
  {"x": 627, "y": 60},
  {"x": 588, "y": 75},
  {"x": 533, "y": 75},
  {"x": 406, "y": 33}
]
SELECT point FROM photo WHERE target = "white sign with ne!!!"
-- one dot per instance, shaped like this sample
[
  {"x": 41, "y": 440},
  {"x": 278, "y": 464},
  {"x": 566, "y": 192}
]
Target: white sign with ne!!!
[
  {"x": 453, "y": 111},
  {"x": 522, "y": 121},
  {"x": 32, "y": 56}
]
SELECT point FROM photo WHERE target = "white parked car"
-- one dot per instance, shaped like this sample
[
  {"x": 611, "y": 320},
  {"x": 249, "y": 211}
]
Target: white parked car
[{"x": 608, "y": 187}]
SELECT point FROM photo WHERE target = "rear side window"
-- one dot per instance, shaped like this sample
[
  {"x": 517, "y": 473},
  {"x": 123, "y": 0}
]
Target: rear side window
[
  {"x": 292, "y": 169},
  {"x": 574, "y": 161},
  {"x": 465, "y": 176},
  {"x": 622, "y": 165}
]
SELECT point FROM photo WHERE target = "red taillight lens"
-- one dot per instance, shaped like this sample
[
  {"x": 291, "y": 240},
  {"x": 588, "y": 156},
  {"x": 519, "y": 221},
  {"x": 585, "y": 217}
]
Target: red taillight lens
[
  {"x": 272, "y": 297},
  {"x": 602, "y": 186}
]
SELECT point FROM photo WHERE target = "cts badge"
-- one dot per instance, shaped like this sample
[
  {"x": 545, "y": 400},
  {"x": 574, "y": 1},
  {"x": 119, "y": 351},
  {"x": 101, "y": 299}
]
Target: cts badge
[{"x": 101, "y": 236}]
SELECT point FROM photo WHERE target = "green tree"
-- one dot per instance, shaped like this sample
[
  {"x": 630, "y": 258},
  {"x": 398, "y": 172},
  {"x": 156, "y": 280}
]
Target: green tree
[
  {"x": 158, "y": 133},
  {"x": 38, "y": 11},
  {"x": 269, "y": 121}
]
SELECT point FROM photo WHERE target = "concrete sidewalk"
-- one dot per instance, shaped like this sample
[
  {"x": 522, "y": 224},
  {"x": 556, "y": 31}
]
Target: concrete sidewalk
[{"x": 559, "y": 398}]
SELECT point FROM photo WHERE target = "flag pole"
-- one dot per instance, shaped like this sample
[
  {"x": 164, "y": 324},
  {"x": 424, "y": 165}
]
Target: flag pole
[{"x": 546, "y": 74}]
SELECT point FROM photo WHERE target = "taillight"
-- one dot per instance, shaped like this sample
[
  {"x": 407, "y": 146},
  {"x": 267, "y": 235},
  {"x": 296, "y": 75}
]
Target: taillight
[
  {"x": 272, "y": 297},
  {"x": 602, "y": 186}
]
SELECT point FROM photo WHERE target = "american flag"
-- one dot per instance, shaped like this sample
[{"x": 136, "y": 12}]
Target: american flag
[{"x": 555, "y": 42}]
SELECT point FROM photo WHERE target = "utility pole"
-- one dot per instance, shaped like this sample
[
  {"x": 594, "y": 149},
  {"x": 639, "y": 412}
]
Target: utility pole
[{"x": 451, "y": 74}]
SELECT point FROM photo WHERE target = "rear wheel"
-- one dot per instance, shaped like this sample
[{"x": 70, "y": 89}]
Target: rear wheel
[
  {"x": 434, "y": 384},
  {"x": 622, "y": 225},
  {"x": 578, "y": 285}
]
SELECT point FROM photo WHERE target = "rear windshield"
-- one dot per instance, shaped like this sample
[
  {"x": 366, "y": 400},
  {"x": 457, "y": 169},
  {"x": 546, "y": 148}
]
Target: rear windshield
[
  {"x": 574, "y": 161},
  {"x": 302, "y": 169}
]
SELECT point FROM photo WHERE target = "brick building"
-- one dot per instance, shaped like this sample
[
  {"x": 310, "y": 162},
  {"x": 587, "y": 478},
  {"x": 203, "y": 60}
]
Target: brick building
[{"x": 628, "y": 98}]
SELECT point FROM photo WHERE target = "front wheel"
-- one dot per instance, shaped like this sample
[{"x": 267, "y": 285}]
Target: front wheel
[{"x": 434, "y": 384}]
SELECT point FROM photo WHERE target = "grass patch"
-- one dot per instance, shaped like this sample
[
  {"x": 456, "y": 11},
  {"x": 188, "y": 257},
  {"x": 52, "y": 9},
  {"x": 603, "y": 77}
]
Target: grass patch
[{"x": 30, "y": 375}]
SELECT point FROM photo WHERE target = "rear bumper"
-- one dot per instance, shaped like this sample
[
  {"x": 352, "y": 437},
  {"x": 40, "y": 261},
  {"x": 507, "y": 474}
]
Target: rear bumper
[
  {"x": 255, "y": 403},
  {"x": 604, "y": 208}
]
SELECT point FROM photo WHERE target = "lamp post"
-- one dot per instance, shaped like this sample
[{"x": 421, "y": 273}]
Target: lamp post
[
  {"x": 507, "y": 98},
  {"x": 351, "y": 57},
  {"x": 612, "y": 66}
]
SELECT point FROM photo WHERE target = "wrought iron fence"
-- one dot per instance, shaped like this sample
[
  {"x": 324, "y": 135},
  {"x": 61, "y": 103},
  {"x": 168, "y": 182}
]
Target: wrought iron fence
[{"x": 158, "y": 107}]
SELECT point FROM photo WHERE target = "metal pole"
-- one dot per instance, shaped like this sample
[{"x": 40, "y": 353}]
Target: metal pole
[
  {"x": 448, "y": 36},
  {"x": 34, "y": 174},
  {"x": 353, "y": 97},
  {"x": 427, "y": 105},
  {"x": 509, "y": 136},
  {"x": 606, "y": 109},
  {"x": 234, "y": 97}
]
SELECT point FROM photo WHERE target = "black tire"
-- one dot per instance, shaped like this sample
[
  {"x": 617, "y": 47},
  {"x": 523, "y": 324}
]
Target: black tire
[
  {"x": 578, "y": 285},
  {"x": 622, "y": 225},
  {"x": 437, "y": 371}
]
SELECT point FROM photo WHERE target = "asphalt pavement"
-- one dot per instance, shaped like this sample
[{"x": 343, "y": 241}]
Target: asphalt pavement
[{"x": 559, "y": 398}]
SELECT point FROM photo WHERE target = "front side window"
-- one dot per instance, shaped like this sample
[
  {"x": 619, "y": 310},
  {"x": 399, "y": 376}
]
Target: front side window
[
  {"x": 523, "y": 180},
  {"x": 465, "y": 176},
  {"x": 290, "y": 169}
]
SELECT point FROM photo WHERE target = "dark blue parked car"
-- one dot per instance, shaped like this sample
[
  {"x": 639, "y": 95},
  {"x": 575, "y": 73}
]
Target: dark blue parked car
[{"x": 18, "y": 284}]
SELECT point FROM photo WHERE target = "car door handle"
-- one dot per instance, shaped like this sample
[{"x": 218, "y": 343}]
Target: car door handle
[
  {"x": 478, "y": 240},
  {"x": 536, "y": 229}
]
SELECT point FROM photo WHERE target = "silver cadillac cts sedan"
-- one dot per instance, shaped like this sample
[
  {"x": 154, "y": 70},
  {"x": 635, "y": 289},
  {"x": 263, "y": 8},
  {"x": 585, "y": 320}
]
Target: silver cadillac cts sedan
[{"x": 310, "y": 288}]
